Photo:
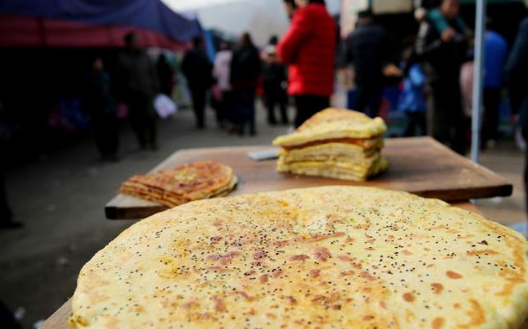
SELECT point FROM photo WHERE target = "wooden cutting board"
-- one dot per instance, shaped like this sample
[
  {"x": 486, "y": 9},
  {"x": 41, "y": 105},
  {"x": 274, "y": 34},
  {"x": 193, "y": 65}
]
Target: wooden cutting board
[{"x": 418, "y": 165}]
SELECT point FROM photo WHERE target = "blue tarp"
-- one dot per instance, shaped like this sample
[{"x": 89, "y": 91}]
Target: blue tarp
[{"x": 147, "y": 14}]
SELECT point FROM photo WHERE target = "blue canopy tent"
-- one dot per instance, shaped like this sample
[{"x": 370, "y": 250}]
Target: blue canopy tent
[{"x": 81, "y": 23}]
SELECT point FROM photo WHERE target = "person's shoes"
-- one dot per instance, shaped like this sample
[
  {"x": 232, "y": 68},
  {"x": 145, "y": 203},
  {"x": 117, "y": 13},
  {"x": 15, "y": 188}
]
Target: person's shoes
[
  {"x": 153, "y": 147},
  {"x": 285, "y": 122},
  {"x": 272, "y": 122},
  {"x": 252, "y": 132},
  {"x": 11, "y": 225},
  {"x": 491, "y": 143}
]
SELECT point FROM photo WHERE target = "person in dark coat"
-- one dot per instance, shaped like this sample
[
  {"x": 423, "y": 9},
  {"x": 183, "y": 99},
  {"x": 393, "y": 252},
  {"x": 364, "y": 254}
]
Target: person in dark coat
[
  {"x": 442, "y": 54},
  {"x": 274, "y": 85},
  {"x": 517, "y": 77},
  {"x": 165, "y": 75},
  {"x": 308, "y": 48},
  {"x": 100, "y": 103},
  {"x": 198, "y": 70},
  {"x": 138, "y": 84},
  {"x": 244, "y": 75},
  {"x": 6, "y": 215},
  {"x": 496, "y": 54},
  {"x": 369, "y": 49}
]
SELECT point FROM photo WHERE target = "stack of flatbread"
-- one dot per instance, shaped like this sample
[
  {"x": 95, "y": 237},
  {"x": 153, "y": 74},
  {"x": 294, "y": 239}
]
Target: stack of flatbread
[
  {"x": 189, "y": 182},
  {"x": 335, "y": 143},
  {"x": 327, "y": 257}
]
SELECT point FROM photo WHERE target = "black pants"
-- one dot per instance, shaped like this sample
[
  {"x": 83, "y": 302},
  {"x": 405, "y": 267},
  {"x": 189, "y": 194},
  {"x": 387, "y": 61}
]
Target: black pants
[
  {"x": 368, "y": 98},
  {"x": 308, "y": 105},
  {"x": 272, "y": 100},
  {"x": 244, "y": 102},
  {"x": 446, "y": 121},
  {"x": 224, "y": 108},
  {"x": 490, "y": 129},
  {"x": 5, "y": 212},
  {"x": 106, "y": 134},
  {"x": 198, "y": 97},
  {"x": 143, "y": 119},
  {"x": 415, "y": 120}
]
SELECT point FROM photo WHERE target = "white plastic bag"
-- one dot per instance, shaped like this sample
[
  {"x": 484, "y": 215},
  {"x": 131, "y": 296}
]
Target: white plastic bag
[{"x": 164, "y": 106}]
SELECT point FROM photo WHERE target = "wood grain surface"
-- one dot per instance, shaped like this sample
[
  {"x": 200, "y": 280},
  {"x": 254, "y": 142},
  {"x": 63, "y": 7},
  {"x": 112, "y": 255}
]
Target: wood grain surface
[
  {"x": 58, "y": 320},
  {"x": 417, "y": 165}
]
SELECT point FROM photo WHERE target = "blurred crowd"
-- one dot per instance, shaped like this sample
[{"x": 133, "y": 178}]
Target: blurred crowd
[{"x": 434, "y": 71}]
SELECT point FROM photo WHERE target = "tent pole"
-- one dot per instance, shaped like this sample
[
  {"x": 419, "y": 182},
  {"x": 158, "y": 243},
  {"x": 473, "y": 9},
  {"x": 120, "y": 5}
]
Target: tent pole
[{"x": 480, "y": 25}]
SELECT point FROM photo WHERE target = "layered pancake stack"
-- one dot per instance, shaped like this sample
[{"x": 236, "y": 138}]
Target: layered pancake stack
[
  {"x": 334, "y": 143},
  {"x": 188, "y": 182}
]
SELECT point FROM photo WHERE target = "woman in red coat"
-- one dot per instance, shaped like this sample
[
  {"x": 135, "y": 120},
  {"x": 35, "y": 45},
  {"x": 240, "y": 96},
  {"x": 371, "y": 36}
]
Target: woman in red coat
[{"x": 309, "y": 50}]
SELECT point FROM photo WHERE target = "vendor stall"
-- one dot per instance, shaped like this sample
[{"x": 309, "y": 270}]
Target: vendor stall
[{"x": 418, "y": 165}]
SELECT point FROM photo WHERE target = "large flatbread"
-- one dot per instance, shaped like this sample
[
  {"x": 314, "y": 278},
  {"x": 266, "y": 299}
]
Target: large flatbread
[
  {"x": 188, "y": 182},
  {"x": 329, "y": 257},
  {"x": 334, "y": 124}
]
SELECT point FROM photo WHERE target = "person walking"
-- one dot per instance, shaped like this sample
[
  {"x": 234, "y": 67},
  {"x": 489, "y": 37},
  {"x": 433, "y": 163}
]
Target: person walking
[
  {"x": 138, "y": 84},
  {"x": 368, "y": 48},
  {"x": 274, "y": 84},
  {"x": 198, "y": 71},
  {"x": 309, "y": 49},
  {"x": 100, "y": 103},
  {"x": 411, "y": 101},
  {"x": 222, "y": 89},
  {"x": 6, "y": 215},
  {"x": 244, "y": 75},
  {"x": 165, "y": 75},
  {"x": 517, "y": 76},
  {"x": 442, "y": 54},
  {"x": 496, "y": 53}
]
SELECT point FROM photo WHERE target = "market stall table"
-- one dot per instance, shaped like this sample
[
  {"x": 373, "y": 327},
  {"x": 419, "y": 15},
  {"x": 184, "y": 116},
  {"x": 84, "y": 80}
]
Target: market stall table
[{"x": 418, "y": 165}]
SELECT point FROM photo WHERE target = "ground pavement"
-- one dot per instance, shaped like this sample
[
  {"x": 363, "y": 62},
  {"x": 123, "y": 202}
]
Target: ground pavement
[{"x": 61, "y": 200}]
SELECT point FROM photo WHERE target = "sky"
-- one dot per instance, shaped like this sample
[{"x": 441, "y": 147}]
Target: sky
[
  {"x": 184, "y": 5},
  {"x": 262, "y": 18}
]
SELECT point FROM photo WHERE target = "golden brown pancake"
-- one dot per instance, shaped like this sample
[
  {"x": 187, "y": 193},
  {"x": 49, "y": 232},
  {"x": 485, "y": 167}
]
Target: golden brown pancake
[
  {"x": 329, "y": 257},
  {"x": 331, "y": 124},
  {"x": 337, "y": 152},
  {"x": 193, "y": 181}
]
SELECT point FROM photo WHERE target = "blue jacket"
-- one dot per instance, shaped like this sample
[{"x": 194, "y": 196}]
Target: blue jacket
[
  {"x": 496, "y": 53},
  {"x": 412, "y": 98}
]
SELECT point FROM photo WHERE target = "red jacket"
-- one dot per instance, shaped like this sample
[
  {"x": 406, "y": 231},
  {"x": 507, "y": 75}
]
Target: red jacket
[{"x": 309, "y": 49}]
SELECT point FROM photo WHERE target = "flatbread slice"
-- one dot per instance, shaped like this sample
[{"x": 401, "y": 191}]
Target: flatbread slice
[
  {"x": 331, "y": 124},
  {"x": 328, "y": 257}
]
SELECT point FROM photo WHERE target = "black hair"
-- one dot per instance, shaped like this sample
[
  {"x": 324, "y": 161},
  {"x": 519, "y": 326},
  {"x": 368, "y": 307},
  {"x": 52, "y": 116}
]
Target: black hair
[
  {"x": 129, "y": 37},
  {"x": 365, "y": 14},
  {"x": 197, "y": 41},
  {"x": 317, "y": 1}
]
